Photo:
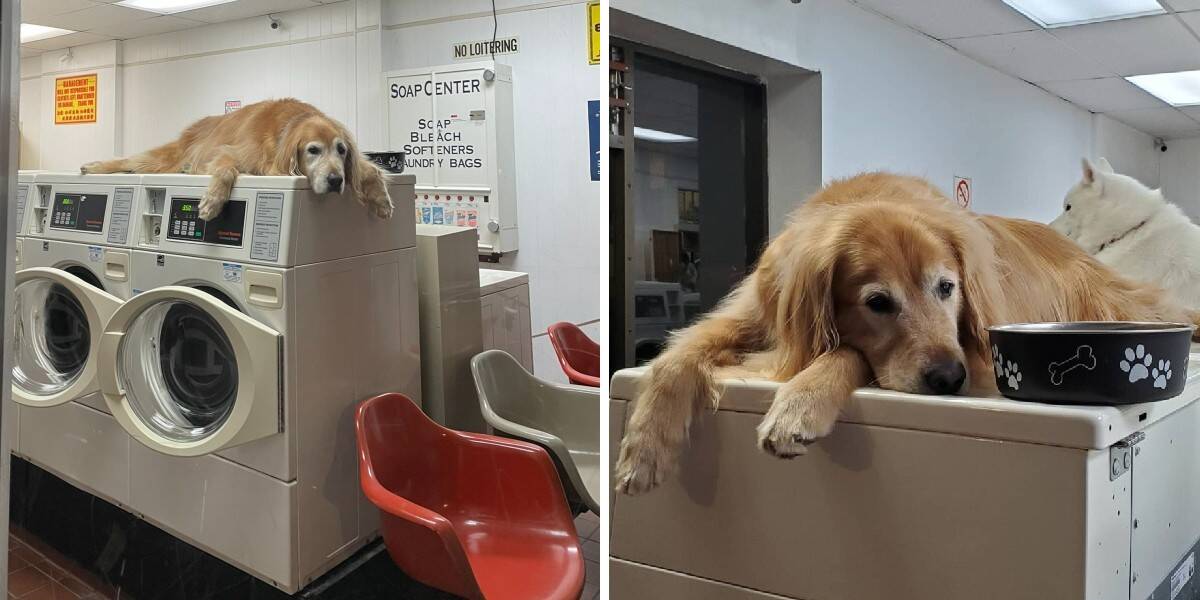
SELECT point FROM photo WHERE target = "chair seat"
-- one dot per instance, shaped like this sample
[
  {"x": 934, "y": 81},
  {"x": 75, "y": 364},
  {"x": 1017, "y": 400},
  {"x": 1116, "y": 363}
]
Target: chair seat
[
  {"x": 588, "y": 464},
  {"x": 548, "y": 562}
]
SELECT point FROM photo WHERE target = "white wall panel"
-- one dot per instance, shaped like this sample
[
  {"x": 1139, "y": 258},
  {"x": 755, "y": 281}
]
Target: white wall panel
[{"x": 560, "y": 206}]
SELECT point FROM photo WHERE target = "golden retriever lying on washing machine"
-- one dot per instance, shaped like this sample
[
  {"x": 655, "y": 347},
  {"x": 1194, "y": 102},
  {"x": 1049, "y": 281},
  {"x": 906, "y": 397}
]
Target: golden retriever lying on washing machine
[
  {"x": 877, "y": 279},
  {"x": 273, "y": 137}
]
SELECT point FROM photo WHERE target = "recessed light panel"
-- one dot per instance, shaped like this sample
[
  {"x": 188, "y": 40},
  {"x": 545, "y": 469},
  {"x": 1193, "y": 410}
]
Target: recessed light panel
[
  {"x": 1063, "y": 13},
  {"x": 1176, "y": 89},
  {"x": 33, "y": 33},
  {"x": 169, "y": 7}
]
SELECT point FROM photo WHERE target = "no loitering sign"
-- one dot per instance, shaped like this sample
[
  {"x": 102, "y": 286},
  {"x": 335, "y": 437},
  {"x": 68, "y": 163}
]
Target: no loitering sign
[{"x": 485, "y": 48}]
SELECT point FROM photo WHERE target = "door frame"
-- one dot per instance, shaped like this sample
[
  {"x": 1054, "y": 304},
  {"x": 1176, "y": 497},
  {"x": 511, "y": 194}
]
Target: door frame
[{"x": 10, "y": 73}]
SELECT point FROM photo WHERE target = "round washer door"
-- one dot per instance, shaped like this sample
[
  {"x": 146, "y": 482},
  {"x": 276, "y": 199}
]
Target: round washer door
[
  {"x": 187, "y": 375},
  {"x": 58, "y": 320}
]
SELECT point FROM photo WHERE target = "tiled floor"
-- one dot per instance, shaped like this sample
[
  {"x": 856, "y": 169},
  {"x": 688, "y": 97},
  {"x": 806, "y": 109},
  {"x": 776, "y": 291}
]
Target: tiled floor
[
  {"x": 55, "y": 528},
  {"x": 37, "y": 572},
  {"x": 587, "y": 526}
]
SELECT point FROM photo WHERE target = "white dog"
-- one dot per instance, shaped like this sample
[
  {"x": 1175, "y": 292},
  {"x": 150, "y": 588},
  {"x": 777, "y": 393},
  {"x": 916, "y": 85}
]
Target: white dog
[{"x": 1133, "y": 229}]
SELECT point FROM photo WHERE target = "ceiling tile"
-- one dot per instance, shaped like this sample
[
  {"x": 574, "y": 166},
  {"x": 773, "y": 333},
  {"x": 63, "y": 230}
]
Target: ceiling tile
[
  {"x": 1165, "y": 122},
  {"x": 99, "y": 15},
  {"x": 34, "y": 12},
  {"x": 144, "y": 27},
  {"x": 66, "y": 41},
  {"x": 944, "y": 19},
  {"x": 1103, "y": 95},
  {"x": 244, "y": 9},
  {"x": 1033, "y": 56},
  {"x": 1135, "y": 46}
]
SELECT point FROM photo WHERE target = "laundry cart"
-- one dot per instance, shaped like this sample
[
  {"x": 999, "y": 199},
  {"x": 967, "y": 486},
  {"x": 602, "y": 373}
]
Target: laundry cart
[{"x": 919, "y": 497}]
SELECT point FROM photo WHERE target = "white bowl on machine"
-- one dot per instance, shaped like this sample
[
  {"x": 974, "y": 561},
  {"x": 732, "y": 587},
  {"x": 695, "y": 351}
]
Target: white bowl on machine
[
  {"x": 74, "y": 273},
  {"x": 239, "y": 362}
]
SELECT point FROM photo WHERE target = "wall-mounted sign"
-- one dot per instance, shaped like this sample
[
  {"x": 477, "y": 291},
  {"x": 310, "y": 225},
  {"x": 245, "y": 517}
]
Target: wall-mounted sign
[
  {"x": 593, "y": 9},
  {"x": 75, "y": 99},
  {"x": 232, "y": 105},
  {"x": 962, "y": 191},
  {"x": 486, "y": 48}
]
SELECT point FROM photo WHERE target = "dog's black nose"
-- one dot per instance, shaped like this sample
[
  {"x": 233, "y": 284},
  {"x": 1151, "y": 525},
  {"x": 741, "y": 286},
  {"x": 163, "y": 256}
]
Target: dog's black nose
[
  {"x": 945, "y": 377},
  {"x": 335, "y": 182}
]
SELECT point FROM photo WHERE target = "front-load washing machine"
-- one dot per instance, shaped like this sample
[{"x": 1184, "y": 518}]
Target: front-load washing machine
[
  {"x": 75, "y": 272},
  {"x": 25, "y": 180},
  {"x": 238, "y": 364}
]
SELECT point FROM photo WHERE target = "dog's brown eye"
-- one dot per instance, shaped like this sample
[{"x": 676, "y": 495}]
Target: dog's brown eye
[
  {"x": 945, "y": 288},
  {"x": 314, "y": 150},
  {"x": 1067, "y": 207},
  {"x": 880, "y": 303},
  {"x": 341, "y": 149}
]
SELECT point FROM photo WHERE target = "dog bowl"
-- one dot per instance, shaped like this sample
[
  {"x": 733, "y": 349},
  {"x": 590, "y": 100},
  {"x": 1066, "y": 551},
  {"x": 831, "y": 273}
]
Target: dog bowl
[
  {"x": 1110, "y": 363},
  {"x": 392, "y": 162}
]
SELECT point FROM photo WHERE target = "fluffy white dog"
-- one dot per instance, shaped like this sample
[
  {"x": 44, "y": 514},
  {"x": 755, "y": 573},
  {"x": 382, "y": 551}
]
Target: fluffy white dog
[{"x": 1133, "y": 229}]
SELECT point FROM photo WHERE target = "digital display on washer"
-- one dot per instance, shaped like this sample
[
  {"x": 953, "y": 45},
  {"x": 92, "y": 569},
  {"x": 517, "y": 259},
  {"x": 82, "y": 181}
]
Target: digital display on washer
[
  {"x": 184, "y": 223},
  {"x": 81, "y": 212}
]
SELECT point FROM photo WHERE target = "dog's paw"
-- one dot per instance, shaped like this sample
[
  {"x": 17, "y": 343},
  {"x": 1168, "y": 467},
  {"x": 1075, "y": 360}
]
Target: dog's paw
[
  {"x": 210, "y": 206},
  {"x": 796, "y": 419},
  {"x": 89, "y": 168},
  {"x": 384, "y": 211},
  {"x": 643, "y": 465}
]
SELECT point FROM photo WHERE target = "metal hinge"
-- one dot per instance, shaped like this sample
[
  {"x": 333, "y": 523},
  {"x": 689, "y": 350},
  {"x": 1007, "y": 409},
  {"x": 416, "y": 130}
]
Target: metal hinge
[{"x": 1120, "y": 455}]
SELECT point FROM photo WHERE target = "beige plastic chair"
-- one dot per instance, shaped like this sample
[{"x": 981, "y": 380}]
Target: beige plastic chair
[{"x": 563, "y": 419}]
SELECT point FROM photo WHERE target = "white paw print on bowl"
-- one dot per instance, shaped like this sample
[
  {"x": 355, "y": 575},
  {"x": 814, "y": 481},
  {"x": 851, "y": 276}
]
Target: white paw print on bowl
[
  {"x": 1013, "y": 375},
  {"x": 1137, "y": 364},
  {"x": 1162, "y": 374}
]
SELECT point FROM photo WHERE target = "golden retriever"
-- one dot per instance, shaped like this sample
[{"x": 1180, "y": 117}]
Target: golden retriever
[
  {"x": 274, "y": 137},
  {"x": 877, "y": 279}
]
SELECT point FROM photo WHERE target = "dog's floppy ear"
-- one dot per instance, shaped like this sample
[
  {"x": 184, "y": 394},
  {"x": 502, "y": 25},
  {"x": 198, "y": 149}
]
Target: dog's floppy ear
[
  {"x": 800, "y": 280},
  {"x": 286, "y": 159},
  {"x": 982, "y": 286}
]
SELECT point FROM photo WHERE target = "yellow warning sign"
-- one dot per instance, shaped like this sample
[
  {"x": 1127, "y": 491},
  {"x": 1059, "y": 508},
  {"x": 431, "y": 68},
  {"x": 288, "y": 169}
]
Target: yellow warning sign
[
  {"x": 593, "y": 9},
  {"x": 75, "y": 99}
]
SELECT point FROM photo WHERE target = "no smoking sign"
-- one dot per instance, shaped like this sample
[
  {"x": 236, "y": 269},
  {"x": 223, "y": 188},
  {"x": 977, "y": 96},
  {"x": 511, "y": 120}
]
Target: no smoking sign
[{"x": 962, "y": 191}]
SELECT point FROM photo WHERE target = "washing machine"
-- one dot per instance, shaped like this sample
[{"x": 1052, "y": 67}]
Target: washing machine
[
  {"x": 238, "y": 363},
  {"x": 24, "y": 184},
  {"x": 74, "y": 274}
]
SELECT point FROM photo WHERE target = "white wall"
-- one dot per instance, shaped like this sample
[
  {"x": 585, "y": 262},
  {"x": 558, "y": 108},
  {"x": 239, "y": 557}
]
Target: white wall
[
  {"x": 1180, "y": 175},
  {"x": 894, "y": 99},
  {"x": 560, "y": 207},
  {"x": 333, "y": 56}
]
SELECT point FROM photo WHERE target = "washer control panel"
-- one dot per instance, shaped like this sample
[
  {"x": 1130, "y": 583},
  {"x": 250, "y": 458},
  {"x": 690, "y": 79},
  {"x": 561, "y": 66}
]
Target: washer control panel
[
  {"x": 80, "y": 212},
  {"x": 184, "y": 223}
]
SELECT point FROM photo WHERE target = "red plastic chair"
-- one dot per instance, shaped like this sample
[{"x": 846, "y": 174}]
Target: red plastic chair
[
  {"x": 475, "y": 515},
  {"x": 577, "y": 353}
]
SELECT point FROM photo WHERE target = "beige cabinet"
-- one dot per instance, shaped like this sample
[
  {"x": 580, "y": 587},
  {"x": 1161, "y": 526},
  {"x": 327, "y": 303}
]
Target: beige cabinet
[{"x": 504, "y": 307}]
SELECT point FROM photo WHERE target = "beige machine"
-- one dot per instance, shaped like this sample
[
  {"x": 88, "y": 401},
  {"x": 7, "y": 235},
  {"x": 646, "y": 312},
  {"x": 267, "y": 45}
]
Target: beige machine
[
  {"x": 233, "y": 370},
  {"x": 917, "y": 497},
  {"x": 448, "y": 271},
  {"x": 504, "y": 302}
]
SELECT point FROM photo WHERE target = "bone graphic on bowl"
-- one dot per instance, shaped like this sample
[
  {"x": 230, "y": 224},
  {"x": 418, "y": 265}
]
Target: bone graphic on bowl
[{"x": 1083, "y": 358}]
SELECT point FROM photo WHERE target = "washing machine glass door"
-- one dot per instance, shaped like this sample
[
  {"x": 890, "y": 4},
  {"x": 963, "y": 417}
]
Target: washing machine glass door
[
  {"x": 57, "y": 323},
  {"x": 185, "y": 374}
]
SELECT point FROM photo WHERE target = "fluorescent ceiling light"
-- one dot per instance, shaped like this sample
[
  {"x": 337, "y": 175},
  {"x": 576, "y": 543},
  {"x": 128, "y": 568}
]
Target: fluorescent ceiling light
[
  {"x": 1063, "y": 13},
  {"x": 654, "y": 135},
  {"x": 1176, "y": 89},
  {"x": 169, "y": 7},
  {"x": 33, "y": 33}
]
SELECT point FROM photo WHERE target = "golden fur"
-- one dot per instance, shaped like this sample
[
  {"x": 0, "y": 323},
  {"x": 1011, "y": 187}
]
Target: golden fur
[
  {"x": 273, "y": 137},
  {"x": 802, "y": 317}
]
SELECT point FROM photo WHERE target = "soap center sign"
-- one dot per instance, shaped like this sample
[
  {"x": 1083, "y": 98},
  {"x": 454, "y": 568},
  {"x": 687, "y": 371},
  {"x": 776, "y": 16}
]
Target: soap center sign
[
  {"x": 75, "y": 99},
  {"x": 439, "y": 121}
]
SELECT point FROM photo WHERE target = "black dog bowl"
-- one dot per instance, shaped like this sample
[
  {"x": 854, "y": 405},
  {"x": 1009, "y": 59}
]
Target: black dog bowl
[
  {"x": 392, "y": 162},
  {"x": 1091, "y": 362}
]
